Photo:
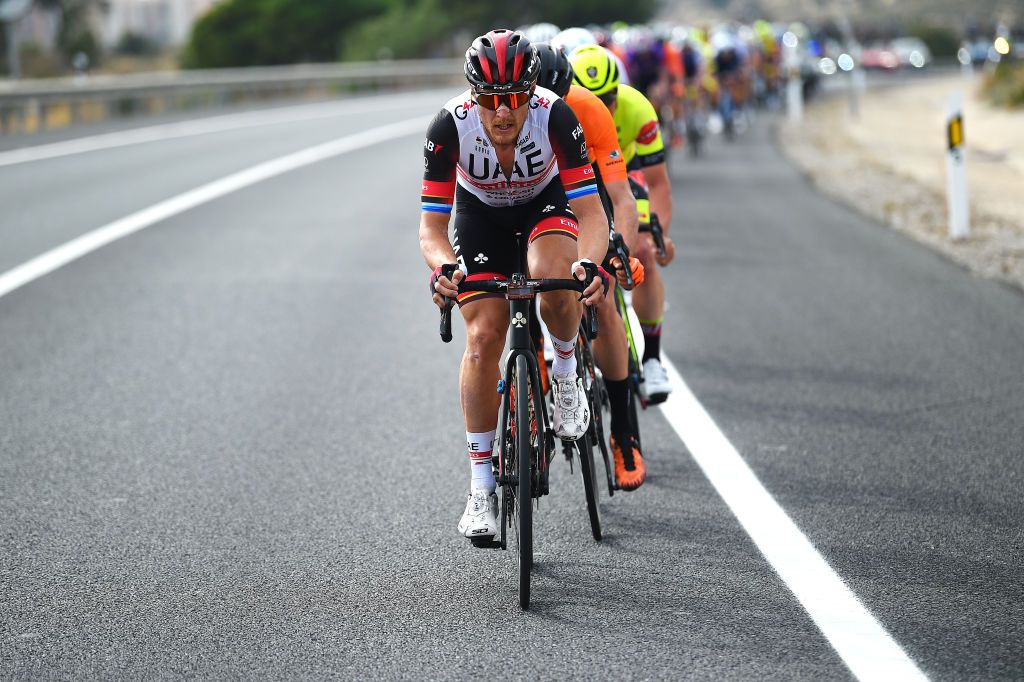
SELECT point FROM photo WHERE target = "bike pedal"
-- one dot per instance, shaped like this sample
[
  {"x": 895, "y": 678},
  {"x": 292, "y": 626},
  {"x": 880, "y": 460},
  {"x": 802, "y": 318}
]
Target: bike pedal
[{"x": 485, "y": 543}]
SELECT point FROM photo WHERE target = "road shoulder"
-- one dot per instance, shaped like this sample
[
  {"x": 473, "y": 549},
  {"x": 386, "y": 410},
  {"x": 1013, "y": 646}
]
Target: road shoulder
[{"x": 882, "y": 164}]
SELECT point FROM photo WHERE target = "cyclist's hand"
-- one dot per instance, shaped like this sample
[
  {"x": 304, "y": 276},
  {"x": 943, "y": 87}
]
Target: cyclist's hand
[
  {"x": 441, "y": 286},
  {"x": 636, "y": 269},
  {"x": 670, "y": 252},
  {"x": 598, "y": 287}
]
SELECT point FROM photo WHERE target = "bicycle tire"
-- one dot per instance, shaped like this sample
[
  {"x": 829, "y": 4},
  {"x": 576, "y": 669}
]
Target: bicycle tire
[
  {"x": 586, "y": 369},
  {"x": 634, "y": 399},
  {"x": 524, "y": 469},
  {"x": 589, "y": 474},
  {"x": 597, "y": 435}
]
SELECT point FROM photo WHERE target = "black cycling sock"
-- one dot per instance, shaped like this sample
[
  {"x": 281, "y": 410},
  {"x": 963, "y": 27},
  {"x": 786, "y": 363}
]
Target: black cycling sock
[
  {"x": 618, "y": 396},
  {"x": 652, "y": 347},
  {"x": 652, "y": 339}
]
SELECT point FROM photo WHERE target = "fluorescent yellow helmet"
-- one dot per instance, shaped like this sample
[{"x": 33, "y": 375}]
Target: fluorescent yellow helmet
[{"x": 595, "y": 69}]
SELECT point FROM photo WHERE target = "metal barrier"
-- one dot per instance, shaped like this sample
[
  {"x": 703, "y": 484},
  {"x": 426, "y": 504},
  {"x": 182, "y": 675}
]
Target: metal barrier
[{"x": 34, "y": 105}]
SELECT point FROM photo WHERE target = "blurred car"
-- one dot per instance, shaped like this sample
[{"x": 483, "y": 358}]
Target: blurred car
[
  {"x": 979, "y": 50},
  {"x": 879, "y": 57},
  {"x": 911, "y": 52}
]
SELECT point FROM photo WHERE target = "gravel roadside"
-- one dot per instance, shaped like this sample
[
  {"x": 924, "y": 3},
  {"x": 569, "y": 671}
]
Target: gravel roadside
[{"x": 889, "y": 163}]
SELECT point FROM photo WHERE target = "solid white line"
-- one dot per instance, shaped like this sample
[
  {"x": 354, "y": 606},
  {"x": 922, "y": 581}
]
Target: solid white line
[
  {"x": 100, "y": 237},
  {"x": 204, "y": 126},
  {"x": 860, "y": 640}
]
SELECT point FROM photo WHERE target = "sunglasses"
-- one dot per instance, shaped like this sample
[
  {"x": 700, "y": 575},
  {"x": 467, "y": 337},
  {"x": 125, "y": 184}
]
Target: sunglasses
[{"x": 513, "y": 100}]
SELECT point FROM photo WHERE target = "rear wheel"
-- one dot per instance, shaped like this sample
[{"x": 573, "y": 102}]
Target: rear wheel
[
  {"x": 594, "y": 387},
  {"x": 588, "y": 470}
]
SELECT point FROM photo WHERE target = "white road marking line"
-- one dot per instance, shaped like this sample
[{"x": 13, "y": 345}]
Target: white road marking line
[
  {"x": 100, "y": 237},
  {"x": 860, "y": 640},
  {"x": 204, "y": 126}
]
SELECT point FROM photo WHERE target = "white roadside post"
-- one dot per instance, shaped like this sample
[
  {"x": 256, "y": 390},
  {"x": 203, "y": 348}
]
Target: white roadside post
[
  {"x": 794, "y": 84},
  {"x": 956, "y": 172}
]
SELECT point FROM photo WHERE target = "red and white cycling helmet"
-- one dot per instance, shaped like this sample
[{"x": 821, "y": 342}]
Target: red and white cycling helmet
[{"x": 502, "y": 61}]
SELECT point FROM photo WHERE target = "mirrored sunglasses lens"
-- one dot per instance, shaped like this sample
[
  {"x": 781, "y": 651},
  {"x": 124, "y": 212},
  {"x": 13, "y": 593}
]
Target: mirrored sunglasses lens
[
  {"x": 518, "y": 99},
  {"x": 488, "y": 101}
]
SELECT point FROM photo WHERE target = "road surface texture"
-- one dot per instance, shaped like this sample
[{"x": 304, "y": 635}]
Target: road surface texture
[{"x": 230, "y": 444}]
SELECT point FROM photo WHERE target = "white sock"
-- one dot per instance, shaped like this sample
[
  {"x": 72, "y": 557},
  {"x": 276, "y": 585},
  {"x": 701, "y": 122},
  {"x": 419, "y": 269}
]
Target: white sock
[
  {"x": 479, "y": 446},
  {"x": 565, "y": 357}
]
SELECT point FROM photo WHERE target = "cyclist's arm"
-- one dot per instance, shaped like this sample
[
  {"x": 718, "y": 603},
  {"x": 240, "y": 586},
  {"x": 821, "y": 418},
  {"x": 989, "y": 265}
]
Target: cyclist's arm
[
  {"x": 577, "y": 175},
  {"x": 604, "y": 141},
  {"x": 440, "y": 156},
  {"x": 660, "y": 191},
  {"x": 624, "y": 210},
  {"x": 650, "y": 156}
]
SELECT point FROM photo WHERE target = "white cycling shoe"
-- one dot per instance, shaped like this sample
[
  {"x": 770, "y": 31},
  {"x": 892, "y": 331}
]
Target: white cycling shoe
[
  {"x": 571, "y": 415},
  {"x": 655, "y": 386},
  {"x": 480, "y": 520}
]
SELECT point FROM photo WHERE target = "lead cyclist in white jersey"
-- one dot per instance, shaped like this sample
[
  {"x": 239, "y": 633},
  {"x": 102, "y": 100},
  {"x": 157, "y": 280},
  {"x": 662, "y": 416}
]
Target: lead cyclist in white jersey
[{"x": 510, "y": 156}]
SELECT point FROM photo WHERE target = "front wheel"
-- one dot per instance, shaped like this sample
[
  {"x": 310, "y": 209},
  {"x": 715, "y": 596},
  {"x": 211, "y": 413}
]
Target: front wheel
[{"x": 524, "y": 469}]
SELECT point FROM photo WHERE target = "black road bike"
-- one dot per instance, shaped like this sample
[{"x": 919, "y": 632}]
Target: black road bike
[{"x": 526, "y": 441}]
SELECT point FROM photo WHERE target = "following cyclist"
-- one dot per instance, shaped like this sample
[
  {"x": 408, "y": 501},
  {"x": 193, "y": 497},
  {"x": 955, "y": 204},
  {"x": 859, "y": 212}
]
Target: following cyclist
[
  {"x": 640, "y": 139},
  {"x": 611, "y": 348},
  {"x": 511, "y": 157}
]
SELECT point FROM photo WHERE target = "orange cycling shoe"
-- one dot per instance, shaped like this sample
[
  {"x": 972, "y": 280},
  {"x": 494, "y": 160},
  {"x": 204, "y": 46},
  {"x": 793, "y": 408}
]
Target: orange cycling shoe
[{"x": 630, "y": 471}]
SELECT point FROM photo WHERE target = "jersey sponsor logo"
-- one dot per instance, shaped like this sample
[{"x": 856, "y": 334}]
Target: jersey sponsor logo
[
  {"x": 481, "y": 141},
  {"x": 548, "y": 209},
  {"x": 576, "y": 133},
  {"x": 431, "y": 146},
  {"x": 533, "y": 166},
  {"x": 462, "y": 110},
  {"x": 648, "y": 133},
  {"x": 614, "y": 154},
  {"x": 538, "y": 102},
  {"x": 528, "y": 147},
  {"x": 583, "y": 149}
]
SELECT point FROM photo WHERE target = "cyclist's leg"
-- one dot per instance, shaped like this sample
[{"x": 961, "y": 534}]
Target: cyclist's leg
[
  {"x": 551, "y": 256},
  {"x": 649, "y": 297},
  {"x": 552, "y": 250},
  {"x": 649, "y": 304},
  {"x": 483, "y": 251},
  {"x": 611, "y": 351}
]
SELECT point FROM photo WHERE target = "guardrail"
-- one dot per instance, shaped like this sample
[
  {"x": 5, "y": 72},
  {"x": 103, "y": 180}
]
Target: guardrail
[{"x": 34, "y": 105}]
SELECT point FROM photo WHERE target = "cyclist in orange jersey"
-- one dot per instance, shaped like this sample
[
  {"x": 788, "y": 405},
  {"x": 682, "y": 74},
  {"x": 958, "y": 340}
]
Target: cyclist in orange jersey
[{"x": 610, "y": 348}]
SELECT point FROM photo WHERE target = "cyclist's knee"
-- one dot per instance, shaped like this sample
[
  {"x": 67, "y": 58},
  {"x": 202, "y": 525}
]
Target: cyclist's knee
[
  {"x": 645, "y": 251},
  {"x": 484, "y": 342},
  {"x": 558, "y": 304}
]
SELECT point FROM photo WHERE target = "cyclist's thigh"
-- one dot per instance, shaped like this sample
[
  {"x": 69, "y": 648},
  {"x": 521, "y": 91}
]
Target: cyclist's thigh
[
  {"x": 483, "y": 242},
  {"x": 553, "y": 231}
]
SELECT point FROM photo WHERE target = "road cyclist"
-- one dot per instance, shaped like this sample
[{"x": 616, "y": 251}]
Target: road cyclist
[
  {"x": 511, "y": 157},
  {"x": 610, "y": 348},
  {"x": 636, "y": 123}
]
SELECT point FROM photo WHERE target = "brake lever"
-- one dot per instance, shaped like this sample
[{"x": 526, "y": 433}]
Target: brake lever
[{"x": 447, "y": 270}]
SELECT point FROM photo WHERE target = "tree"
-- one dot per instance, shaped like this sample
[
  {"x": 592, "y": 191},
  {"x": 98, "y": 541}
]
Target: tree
[
  {"x": 263, "y": 32},
  {"x": 75, "y": 32}
]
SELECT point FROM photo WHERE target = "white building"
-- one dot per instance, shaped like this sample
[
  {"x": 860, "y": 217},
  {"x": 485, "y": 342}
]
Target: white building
[{"x": 168, "y": 22}]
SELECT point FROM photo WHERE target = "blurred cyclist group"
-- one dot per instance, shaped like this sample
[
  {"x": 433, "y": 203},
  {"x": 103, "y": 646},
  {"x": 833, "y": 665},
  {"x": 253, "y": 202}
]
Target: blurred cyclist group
[{"x": 690, "y": 74}]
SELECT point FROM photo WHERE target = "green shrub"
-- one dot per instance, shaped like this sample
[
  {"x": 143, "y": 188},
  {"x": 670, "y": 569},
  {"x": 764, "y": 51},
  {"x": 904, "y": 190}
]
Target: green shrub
[
  {"x": 1005, "y": 86},
  {"x": 941, "y": 41}
]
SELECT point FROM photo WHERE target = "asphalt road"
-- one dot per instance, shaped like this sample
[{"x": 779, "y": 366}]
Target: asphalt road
[{"x": 230, "y": 445}]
